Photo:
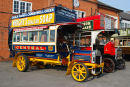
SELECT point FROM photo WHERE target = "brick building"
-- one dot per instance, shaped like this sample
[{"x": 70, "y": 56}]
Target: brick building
[{"x": 83, "y": 8}]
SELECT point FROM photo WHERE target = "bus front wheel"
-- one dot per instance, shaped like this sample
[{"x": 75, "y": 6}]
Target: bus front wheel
[{"x": 79, "y": 72}]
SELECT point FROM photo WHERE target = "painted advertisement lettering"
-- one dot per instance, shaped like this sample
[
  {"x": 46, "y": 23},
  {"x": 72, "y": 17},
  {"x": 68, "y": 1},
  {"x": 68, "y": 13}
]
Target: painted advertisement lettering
[
  {"x": 34, "y": 20},
  {"x": 88, "y": 25}
]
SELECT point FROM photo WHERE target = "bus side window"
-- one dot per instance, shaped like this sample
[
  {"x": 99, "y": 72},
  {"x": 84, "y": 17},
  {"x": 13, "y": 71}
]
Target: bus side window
[
  {"x": 52, "y": 35},
  {"x": 44, "y": 36},
  {"x": 33, "y": 36},
  {"x": 24, "y": 36},
  {"x": 16, "y": 37}
]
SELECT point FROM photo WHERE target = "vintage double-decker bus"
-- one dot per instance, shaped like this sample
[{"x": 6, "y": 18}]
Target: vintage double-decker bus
[
  {"x": 96, "y": 35},
  {"x": 49, "y": 43},
  {"x": 122, "y": 40}
]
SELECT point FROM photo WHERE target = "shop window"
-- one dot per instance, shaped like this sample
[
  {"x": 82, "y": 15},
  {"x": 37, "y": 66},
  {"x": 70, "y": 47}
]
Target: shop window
[
  {"x": 43, "y": 36},
  {"x": 52, "y": 35},
  {"x": 16, "y": 37},
  {"x": 80, "y": 14},
  {"x": 24, "y": 36},
  {"x": 21, "y": 6},
  {"x": 33, "y": 36}
]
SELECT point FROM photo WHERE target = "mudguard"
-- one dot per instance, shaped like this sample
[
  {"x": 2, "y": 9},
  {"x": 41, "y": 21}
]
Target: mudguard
[{"x": 69, "y": 67}]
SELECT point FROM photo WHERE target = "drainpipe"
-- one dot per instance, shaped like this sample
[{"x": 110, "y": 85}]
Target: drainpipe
[{"x": 73, "y": 4}]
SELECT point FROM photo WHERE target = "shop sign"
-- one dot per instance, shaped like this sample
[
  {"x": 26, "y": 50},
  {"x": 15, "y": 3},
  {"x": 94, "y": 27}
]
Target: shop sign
[
  {"x": 34, "y": 20},
  {"x": 88, "y": 25}
]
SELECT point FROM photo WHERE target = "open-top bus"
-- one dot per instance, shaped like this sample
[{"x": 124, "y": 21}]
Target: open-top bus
[{"x": 51, "y": 44}]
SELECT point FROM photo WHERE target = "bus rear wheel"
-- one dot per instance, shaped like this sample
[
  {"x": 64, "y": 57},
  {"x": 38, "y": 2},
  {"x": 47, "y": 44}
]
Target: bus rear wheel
[
  {"x": 109, "y": 65},
  {"x": 22, "y": 63},
  {"x": 121, "y": 65}
]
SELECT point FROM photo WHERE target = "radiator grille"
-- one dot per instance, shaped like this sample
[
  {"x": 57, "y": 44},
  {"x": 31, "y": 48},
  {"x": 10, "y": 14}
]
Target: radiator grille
[
  {"x": 119, "y": 54},
  {"x": 98, "y": 59}
]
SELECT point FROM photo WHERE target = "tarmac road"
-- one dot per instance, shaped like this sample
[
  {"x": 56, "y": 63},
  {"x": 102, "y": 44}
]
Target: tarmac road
[{"x": 55, "y": 77}]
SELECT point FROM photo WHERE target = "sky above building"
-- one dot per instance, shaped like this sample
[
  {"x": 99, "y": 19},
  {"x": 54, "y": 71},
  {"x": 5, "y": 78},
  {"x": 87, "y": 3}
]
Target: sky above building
[{"x": 119, "y": 4}]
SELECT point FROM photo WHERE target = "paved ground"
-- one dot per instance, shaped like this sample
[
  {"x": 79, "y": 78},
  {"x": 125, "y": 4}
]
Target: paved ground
[{"x": 55, "y": 77}]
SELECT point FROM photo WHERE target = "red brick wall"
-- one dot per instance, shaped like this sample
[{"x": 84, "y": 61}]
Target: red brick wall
[
  {"x": 7, "y": 6},
  {"x": 84, "y": 6},
  {"x": 4, "y": 20}
]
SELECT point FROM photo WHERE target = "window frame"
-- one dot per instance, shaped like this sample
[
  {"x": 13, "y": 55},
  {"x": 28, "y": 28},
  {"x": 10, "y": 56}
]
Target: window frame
[
  {"x": 38, "y": 37},
  {"x": 48, "y": 40},
  {"x": 77, "y": 12},
  {"x": 22, "y": 36},
  {"x": 79, "y": 36},
  {"x": 20, "y": 5},
  {"x": 50, "y": 35}
]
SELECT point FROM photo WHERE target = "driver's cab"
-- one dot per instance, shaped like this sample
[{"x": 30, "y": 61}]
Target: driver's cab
[
  {"x": 83, "y": 40},
  {"x": 65, "y": 38}
]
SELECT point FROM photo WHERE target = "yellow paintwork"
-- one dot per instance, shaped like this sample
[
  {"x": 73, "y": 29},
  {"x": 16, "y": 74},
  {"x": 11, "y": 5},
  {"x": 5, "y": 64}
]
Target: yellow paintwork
[
  {"x": 34, "y": 20},
  {"x": 69, "y": 67},
  {"x": 20, "y": 63},
  {"x": 58, "y": 62},
  {"x": 16, "y": 56},
  {"x": 93, "y": 65},
  {"x": 15, "y": 59},
  {"x": 79, "y": 72},
  {"x": 53, "y": 62}
]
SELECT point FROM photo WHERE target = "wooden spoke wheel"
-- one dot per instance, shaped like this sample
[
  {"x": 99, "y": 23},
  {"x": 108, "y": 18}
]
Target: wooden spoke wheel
[
  {"x": 121, "y": 65},
  {"x": 79, "y": 72},
  {"x": 109, "y": 65},
  {"x": 22, "y": 63}
]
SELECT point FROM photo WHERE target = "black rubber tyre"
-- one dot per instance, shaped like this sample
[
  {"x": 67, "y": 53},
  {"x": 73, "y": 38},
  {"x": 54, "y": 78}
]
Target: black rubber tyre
[
  {"x": 121, "y": 65},
  {"x": 22, "y": 63},
  {"x": 98, "y": 74},
  {"x": 79, "y": 72},
  {"x": 109, "y": 65}
]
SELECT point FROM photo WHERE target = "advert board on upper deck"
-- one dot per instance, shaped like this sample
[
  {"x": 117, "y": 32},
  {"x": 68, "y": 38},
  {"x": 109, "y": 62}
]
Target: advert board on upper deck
[{"x": 58, "y": 14}]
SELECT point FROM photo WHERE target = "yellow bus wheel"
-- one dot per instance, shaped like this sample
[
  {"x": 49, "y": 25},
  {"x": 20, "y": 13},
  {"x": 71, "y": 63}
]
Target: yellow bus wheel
[
  {"x": 79, "y": 72},
  {"x": 22, "y": 63}
]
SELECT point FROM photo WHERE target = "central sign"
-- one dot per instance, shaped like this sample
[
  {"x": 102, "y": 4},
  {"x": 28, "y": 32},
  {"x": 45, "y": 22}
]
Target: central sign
[
  {"x": 33, "y": 20},
  {"x": 88, "y": 25}
]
